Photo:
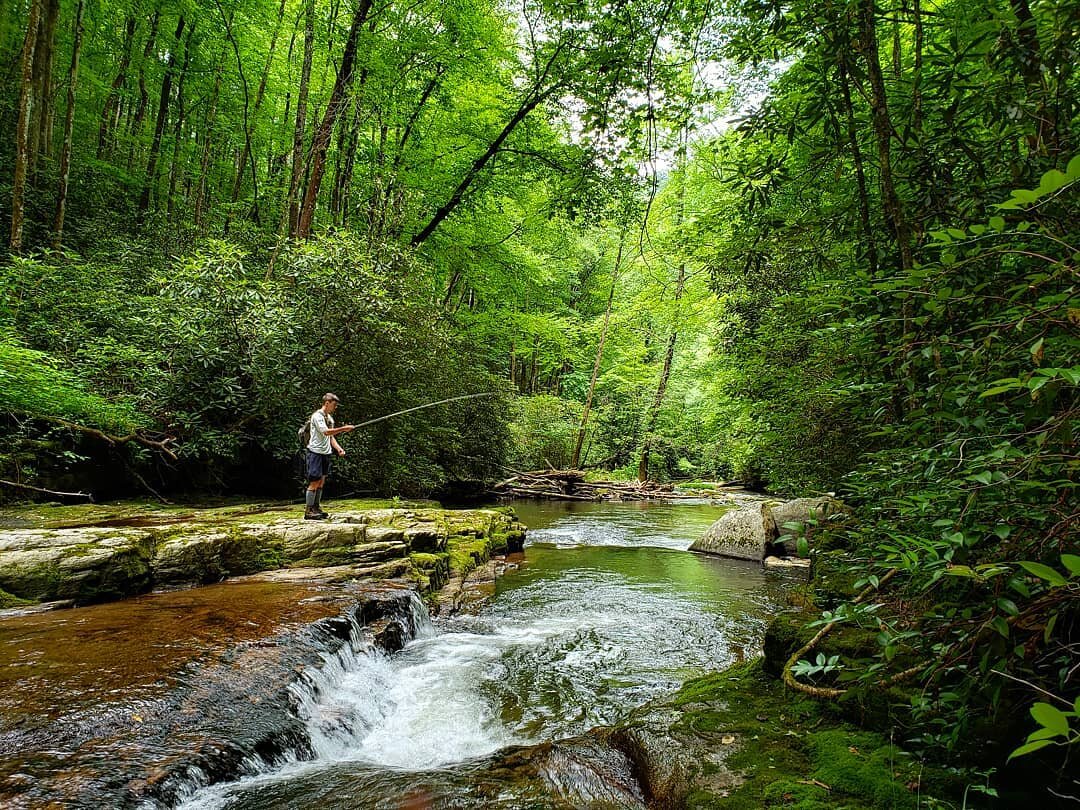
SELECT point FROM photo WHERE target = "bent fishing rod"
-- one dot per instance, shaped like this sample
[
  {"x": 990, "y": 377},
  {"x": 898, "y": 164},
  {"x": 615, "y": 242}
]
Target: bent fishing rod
[{"x": 422, "y": 407}]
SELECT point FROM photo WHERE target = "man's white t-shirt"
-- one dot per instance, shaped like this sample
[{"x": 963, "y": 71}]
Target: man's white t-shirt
[{"x": 320, "y": 423}]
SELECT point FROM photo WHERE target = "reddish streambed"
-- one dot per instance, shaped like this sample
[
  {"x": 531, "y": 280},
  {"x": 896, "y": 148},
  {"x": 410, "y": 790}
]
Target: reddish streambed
[
  {"x": 121, "y": 704},
  {"x": 134, "y": 648}
]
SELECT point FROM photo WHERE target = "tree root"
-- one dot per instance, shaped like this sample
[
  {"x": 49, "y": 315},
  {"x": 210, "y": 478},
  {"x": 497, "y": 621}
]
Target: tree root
[{"x": 832, "y": 692}]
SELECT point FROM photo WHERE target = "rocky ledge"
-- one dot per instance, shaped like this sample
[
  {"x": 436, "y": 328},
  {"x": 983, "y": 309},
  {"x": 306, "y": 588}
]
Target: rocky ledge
[{"x": 89, "y": 554}]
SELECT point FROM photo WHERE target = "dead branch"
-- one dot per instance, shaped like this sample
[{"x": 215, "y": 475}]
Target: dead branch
[{"x": 17, "y": 485}]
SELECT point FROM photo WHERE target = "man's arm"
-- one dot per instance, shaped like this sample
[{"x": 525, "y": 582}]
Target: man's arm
[
  {"x": 331, "y": 432},
  {"x": 336, "y": 447}
]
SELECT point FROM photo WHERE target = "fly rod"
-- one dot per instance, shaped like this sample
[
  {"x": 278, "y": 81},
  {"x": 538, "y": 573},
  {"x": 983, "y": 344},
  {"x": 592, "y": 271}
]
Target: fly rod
[{"x": 421, "y": 407}]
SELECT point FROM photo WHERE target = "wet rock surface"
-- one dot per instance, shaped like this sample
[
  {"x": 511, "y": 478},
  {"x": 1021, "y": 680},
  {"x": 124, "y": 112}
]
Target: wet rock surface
[
  {"x": 743, "y": 534},
  {"x": 766, "y": 529},
  {"x": 115, "y": 552},
  {"x": 127, "y": 704}
]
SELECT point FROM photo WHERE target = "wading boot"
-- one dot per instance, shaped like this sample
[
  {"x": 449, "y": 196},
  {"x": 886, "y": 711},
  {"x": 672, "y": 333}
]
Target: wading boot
[{"x": 313, "y": 513}]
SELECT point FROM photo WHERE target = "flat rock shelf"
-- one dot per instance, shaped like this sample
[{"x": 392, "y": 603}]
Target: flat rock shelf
[{"x": 89, "y": 554}]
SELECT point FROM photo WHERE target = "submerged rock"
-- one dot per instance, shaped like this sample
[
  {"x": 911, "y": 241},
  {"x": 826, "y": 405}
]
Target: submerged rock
[{"x": 126, "y": 706}]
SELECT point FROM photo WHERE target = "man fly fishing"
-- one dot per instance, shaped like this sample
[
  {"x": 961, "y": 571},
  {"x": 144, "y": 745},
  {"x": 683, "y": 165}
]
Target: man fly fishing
[
  {"x": 321, "y": 448},
  {"x": 317, "y": 437}
]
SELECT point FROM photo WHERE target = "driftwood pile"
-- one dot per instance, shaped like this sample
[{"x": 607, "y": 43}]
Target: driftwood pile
[{"x": 570, "y": 485}]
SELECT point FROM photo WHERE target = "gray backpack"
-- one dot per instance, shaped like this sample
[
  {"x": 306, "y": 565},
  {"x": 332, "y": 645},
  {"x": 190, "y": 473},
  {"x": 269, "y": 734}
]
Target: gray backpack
[{"x": 303, "y": 435}]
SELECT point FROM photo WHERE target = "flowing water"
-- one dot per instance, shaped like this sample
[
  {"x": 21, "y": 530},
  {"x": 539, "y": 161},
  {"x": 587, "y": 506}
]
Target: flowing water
[{"x": 607, "y": 611}]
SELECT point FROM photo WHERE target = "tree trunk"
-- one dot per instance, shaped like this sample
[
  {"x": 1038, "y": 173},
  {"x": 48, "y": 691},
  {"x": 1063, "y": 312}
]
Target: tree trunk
[
  {"x": 260, "y": 93},
  {"x": 207, "y": 135},
  {"x": 345, "y": 128},
  {"x": 41, "y": 121},
  {"x": 321, "y": 140},
  {"x": 178, "y": 124},
  {"x": 1029, "y": 55},
  {"x": 916, "y": 76},
  {"x": 69, "y": 127},
  {"x": 301, "y": 118},
  {"x": 390, "y": 181},
  {"x": 345, "y": 178},
  {"x": 110, "y": 113},
  {"x": 860, "y": 169},
  {"x": 669, "y": 351},
  {"x": 144, "y": 95},
  {"x": 447, "y": 208},
  {"x": 661, "y": 388},
  {"x": 883, "y": 129},
  {"x": 162, "y": 115},
  {"x": 22, "y": 131},
  {"x": 576, "y": 459}
]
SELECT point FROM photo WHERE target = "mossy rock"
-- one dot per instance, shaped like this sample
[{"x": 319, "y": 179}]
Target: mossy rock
[
  {"x": 864, "y": 767},
  {"x": 125, "y": 549},
  {"x": 467, "y": 553},
  {"x": 788, "y": 746},
  {"x": 430, "y": 571},
  {"x": 8, "y": 600}
]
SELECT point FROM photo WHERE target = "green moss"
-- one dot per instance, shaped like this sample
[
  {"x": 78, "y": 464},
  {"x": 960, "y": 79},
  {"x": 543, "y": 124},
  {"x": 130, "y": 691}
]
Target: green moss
[
  {"x": 864, "y": 767},
  {"x": 40, "y": 583},
  {"x": 798, "y": 796},
  {"x": 429, "y": 571},
  {"x": 466, "y": 553},
  {"x": 787, "y": 743},
  {"x": 8, "y": 600}
]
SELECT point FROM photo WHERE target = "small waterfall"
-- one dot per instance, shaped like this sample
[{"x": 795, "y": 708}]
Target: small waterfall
[{"x": 334, "y": 705}]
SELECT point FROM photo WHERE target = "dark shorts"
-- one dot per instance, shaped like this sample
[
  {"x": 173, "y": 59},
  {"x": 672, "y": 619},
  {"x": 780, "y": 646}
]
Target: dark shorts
[{"x": 318, "y": 465}]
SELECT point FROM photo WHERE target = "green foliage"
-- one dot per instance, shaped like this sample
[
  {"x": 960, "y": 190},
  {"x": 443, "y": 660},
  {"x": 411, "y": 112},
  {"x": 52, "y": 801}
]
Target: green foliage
[
  {"x": 33, "y": 387},
  {"x": 1056, "y": 728},
  {"x": 543, "y": 433}
]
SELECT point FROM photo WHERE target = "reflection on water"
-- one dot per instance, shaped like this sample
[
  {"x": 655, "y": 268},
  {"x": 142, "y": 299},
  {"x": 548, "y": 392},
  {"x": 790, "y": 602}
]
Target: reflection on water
[{"x": 608, "y": 612}]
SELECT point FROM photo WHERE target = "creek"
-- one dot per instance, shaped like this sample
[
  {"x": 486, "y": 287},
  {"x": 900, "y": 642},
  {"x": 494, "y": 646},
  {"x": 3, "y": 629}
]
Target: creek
[{"x": 606, "y": 611}]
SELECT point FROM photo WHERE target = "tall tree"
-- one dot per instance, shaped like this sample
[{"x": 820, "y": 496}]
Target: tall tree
[
  {"x": 575, "y": 458},
  {"x": 41, "y": 124},
  {"x": 22, "y": 131},
  {"x": 110, "y": 113},
  {"x": 175, "y": 168},
  {"x": 297, "y": 173},
  {"x": 69, "y": 128},
  {"x": 321, "y": 139},
  {"x": 162, "y": 115}
]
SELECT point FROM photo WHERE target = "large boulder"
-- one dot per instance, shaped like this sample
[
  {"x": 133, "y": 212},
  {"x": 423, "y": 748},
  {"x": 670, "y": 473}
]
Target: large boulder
[
  {"x": 745, "y": 534},
  {"x": 803, "y": 511}
]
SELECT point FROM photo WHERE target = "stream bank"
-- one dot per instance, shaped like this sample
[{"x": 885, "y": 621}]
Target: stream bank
[{"x": 79, "y": 555}]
